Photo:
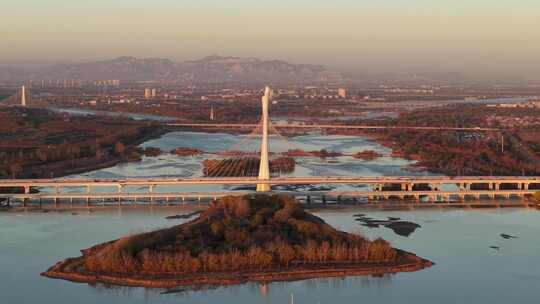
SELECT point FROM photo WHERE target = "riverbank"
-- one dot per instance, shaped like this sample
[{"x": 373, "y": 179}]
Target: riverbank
[
  {"x": 86, "y": 164},
  {"x": 409, "y": 262},
  {"x": 38, "y": 143}
]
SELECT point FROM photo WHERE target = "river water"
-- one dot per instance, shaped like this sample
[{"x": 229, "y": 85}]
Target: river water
[
  {"x": 466, "y": 270},
  {"x": 167, "y": 165}
]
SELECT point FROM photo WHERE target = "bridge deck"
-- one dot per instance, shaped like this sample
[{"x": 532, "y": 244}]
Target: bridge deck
[
  {"x": 149, "y": 190},
  {"x": 322, "y": 126},
  {"x": 272, "y": 181},
  {"x": 115, "y": 195}
]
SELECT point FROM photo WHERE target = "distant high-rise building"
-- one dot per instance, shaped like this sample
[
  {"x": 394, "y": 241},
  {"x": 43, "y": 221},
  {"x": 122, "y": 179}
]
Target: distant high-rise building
[
  {"x": 154, "y": 93},
  {"x": 108, "y": 82},
  {"x": 23, "y": 96},
  {"x": 212, "y": 113},
  {"x": 147, "y": 93},
  {"x": 342, "y": 93}
]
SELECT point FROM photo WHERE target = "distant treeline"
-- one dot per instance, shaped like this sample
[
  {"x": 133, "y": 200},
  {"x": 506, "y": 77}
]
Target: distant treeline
[
  {"x": 40, "y": 143},
  {"x": 512, "y": 151}
]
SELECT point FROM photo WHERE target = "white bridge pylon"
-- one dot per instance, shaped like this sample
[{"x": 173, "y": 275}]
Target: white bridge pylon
[{"x": 264, "y": 166}]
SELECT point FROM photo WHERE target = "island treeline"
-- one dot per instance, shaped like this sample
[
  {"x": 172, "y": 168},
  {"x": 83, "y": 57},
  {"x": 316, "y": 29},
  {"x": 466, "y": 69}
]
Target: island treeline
[{"x": 238, "y": 233}]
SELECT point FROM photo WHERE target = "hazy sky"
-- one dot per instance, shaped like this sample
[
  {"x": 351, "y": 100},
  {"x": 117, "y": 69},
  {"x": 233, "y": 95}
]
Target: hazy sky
[{"x": 485, "y": 38}]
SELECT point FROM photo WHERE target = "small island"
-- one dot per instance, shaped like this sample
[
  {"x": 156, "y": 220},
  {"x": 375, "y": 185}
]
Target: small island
[
  {"x": 367, "y": 155},
  {"x": 236, "y": 240}
]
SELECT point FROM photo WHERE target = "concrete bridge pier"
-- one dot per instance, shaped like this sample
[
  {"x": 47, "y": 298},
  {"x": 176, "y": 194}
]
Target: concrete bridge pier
[
  {"x": 407, "y": 186},
  {"x": 26, "y": 191},
  {"x": 151, "y": 190},
  {"x": 523, "y": 186},
  {"x": 120, "y": 190}
]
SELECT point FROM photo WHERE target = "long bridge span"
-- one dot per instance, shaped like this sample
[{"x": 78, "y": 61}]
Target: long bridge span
[
  {"x": 370, "y": 189},
  {"x": 521, "y": 182}
]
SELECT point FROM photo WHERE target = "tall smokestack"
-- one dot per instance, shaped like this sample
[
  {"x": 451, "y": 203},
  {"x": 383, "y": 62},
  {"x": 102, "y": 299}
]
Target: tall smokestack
[{"x": 23, "y": 96}]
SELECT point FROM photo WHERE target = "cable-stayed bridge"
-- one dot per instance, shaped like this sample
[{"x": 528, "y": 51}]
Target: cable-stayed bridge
[{"x": 419, "y": 188}]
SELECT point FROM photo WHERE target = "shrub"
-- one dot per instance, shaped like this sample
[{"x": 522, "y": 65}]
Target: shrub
[
  {"x": 381, "y": 251},
  {"x": 536, "y": 196},
  {"x": 119, "y": 148}
]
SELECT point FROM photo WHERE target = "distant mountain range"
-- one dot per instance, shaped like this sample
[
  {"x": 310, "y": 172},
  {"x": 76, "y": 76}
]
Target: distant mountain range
[{"x": 211, "y": 69}]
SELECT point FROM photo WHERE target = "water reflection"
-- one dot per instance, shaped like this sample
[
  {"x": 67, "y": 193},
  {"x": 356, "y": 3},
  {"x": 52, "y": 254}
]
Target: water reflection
[{"x": 264, "y": 291}]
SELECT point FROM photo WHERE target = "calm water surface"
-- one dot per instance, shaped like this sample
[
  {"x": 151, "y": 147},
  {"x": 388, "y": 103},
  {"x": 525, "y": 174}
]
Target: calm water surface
[{"x": 466, "y": 270}]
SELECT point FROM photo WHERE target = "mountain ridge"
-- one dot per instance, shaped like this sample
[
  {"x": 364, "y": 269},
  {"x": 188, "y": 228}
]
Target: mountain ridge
[{"x": 209, "y": 69}]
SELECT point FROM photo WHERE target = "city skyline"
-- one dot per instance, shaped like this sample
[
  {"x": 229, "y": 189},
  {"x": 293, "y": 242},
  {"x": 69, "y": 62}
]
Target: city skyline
[{"x": 477, "y": 38}]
